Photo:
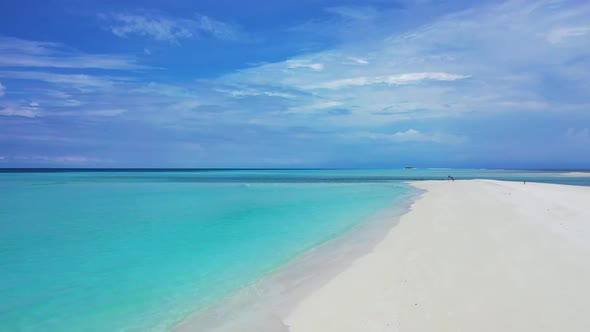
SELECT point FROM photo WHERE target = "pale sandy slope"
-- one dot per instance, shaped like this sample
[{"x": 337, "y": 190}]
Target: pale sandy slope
[{"x": 470, "y": 256}]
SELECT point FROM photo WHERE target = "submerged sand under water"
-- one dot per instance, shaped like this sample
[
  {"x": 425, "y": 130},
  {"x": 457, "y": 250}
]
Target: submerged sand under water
[{"x": 263, "y": 305}]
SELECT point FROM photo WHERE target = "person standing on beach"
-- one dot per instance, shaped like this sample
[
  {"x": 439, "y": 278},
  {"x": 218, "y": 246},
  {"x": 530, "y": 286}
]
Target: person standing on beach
[{"x": 451, "y": 178}]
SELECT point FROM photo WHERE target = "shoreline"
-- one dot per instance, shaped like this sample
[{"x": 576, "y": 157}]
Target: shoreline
[
  {"x": 262, "y": 305},
  {"x": 471, "y": 255}
]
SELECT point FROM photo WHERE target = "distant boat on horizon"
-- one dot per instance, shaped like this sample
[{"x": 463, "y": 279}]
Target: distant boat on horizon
[{"x": 409, "y": 167}]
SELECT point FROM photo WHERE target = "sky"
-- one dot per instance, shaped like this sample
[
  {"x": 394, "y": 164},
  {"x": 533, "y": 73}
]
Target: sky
[{"x": 295, "y": 83}]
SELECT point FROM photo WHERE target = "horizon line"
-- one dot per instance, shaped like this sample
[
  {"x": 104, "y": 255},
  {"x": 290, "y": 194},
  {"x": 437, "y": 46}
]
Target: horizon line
[{"x": 101, "y": 169}]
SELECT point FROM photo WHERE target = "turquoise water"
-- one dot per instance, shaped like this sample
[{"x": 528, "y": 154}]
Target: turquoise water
[
  {"x": 96, "y": 252},
  {"x": 140, "y": 251}
]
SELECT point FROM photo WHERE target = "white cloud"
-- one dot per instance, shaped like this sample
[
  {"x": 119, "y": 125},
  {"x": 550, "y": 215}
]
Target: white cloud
[
  {"x": 34, "y": 110},
  {"x": 28, "y": 110},
  {"x": 524, "y": 105},
  {"x": 410, "y": 135},
  {"x": 15, "y": 45},
  {"x": 558, "y": 35},
  {"x": 360, "y": 61},
  {"x": 113, "y": 112},
  {"x": 254, "y": 92},
  {"x": 77, "y": 80},
  {"x": 85, "y": 113},
  {"x": 2, "y": 89},
  {"x": 413, "y": 135},
  {"x": 217, "y": 28},
  {"x": 71, "y": 103},
  {"x": 58, "y": 94},
  {"x": 303, "y": 64},
  {"x": 354, "y": 12},
  {"x": 345, "y": 82},
  {"x": 67, "y": 159},
  {"x": 491, "y": 44},
  {"x": 415, "y": 77},
  {"x": 16, "y": 52},
  {"x": 38, "y": 138},
  {"x": 400, "y": 79},
  {"x": 315, "y": 107},
  {"x": 25, "y": 112},
  {"x": 382, "y": 78},
  {"x": 163, "y": 28}
]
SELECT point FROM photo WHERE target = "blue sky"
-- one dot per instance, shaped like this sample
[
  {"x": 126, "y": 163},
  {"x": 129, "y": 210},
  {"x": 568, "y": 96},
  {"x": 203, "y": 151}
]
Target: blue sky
[{"x": 295, "y": 83}]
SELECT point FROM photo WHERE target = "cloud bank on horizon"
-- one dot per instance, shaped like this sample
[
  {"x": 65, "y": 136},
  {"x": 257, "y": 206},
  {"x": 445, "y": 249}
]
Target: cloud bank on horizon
[{"x": 482, "y": 84}]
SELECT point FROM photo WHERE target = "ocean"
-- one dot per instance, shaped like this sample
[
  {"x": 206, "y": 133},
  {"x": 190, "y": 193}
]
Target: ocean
[{"x": 142, "y": 250}]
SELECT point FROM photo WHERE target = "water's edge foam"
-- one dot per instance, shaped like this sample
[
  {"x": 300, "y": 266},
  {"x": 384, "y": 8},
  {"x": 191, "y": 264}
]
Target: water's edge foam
[{"x": 262, "y": 305}]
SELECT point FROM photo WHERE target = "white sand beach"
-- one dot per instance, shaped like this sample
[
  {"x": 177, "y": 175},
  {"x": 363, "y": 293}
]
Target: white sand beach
[{"x": 470, "y": 256}]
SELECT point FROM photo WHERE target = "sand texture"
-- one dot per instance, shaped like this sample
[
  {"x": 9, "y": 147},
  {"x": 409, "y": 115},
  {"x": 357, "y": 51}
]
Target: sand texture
[{"x": 470, "y": 256}]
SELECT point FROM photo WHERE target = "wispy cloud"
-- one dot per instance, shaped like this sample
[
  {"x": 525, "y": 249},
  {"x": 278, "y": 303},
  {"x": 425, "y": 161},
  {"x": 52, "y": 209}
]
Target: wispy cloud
[
  {"x": 355, "y": 12},
  {"x": 453, "y": 82},
  {"x": 292, "y": 64},
  {"x": 34, "y": 112},
  {"x": 413, "y": 135},
  {"x": 105, "y": 112},
  {"x": 77, "y": 80},
  {"x": 88, "y": 113},
  {"x": 164, "y": 28},
  {"x": 66, "y": 159},
  {"x": 25, "y": 112},
  {"x": 323, "y": 105},
  {"x": 37, "y": 138},
  {"x": 16, "y": 52},
  {"x": 253, "y": 92},
  {"x": 25, "y": 109},
  {"x": 2, "y": 89},
  {"x": 504, "y": 63},
  {"x": 399, "y": 79},
  {"x": 360, "y": 61},
  {"x": 560, "y": 34}
]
